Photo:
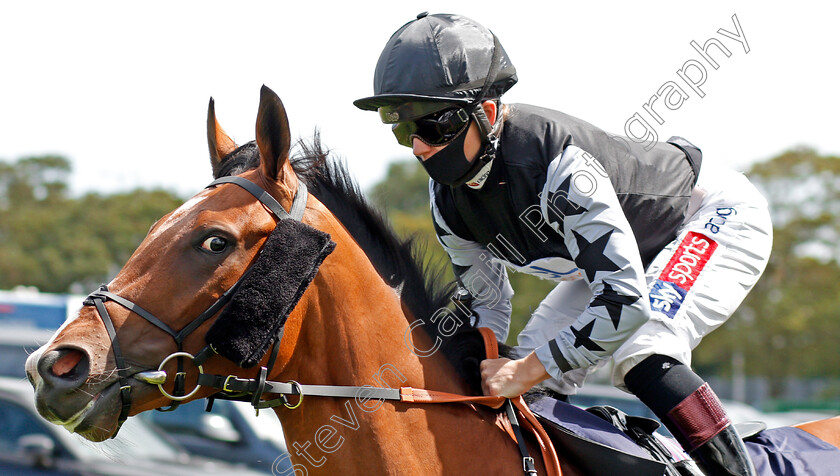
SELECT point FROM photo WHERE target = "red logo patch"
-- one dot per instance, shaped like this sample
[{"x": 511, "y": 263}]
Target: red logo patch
[{"x": 691, "y": 257}]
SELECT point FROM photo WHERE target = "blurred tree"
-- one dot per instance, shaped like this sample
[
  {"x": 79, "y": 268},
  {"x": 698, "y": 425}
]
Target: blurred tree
[
  {"x": 34, "y": 179},
  {"x": 53, "y": 241},
  {"x": 405, "y": 189},
  {"x": 788, "y": 325}
]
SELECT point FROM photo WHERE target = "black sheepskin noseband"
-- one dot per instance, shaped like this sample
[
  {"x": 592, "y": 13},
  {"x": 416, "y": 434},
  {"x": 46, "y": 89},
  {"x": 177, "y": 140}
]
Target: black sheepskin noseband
[{"x": 287, "y": 263}]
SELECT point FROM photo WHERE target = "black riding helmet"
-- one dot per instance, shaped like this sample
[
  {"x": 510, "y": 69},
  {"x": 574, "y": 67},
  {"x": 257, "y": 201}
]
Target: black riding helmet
[{"x": 435, "y": 62}]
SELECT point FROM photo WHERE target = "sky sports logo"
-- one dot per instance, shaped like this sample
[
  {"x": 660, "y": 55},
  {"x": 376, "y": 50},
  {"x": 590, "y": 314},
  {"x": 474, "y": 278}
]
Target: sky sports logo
[{"x": 681, "y": 273}]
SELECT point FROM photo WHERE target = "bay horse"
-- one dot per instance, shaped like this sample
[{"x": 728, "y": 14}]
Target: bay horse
[
  {"x": 353, "y": 325},
  {"x": 255, "y": 281}
]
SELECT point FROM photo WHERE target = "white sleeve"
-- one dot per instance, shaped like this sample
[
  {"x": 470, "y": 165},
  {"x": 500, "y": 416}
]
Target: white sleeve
[
  {"x": 579, "y": 202},
  {"x": 476, "y": 269}
]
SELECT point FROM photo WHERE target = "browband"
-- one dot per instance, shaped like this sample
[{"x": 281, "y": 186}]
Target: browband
[{"x": 298, "y": 205}]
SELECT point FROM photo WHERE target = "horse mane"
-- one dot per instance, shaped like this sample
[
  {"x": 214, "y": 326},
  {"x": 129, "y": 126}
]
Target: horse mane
[{"x": 399, "y": 261}]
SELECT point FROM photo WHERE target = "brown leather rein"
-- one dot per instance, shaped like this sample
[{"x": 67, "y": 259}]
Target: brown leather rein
[{"x": 517, "y": 410}]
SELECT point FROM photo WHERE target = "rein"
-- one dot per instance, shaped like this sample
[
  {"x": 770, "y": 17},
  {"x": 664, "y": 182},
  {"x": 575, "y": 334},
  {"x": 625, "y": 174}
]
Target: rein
[{"x": 256, "y": 387}]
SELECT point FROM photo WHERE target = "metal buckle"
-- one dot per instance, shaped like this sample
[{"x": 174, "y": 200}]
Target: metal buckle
[
  {"x": 528, "y": 465},
  {"x": 227, "y": 381},
  {"x": 300, "y": 396},
  {"x": 462, "y": 114},
  {"x": 160, "y": 385}
]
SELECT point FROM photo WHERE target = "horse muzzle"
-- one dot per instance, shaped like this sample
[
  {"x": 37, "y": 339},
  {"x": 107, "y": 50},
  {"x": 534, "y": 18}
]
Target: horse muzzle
[
  {"x": 62, "y": 393},
  {"x": 67, "y": 394}
]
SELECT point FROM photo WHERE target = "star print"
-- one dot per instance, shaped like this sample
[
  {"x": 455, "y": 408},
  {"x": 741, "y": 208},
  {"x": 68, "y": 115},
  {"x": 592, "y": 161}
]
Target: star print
[
  {"x": 591, "y": 257},
  {"x": 582, "y": 337},
  {"x": 614, "y": 302},
  {"x": 559, "y": 205}
]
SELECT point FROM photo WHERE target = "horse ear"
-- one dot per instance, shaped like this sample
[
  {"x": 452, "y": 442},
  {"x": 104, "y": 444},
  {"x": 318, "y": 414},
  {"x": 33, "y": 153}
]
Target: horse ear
[
  {"x": 218, "y": 141},
  {"x": 273, "y": 136}
]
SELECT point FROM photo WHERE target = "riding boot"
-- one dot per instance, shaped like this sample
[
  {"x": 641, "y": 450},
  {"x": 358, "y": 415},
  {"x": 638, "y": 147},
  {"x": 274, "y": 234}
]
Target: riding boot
[
  {"x": 724, "y": 454},
  {"x": 692, "y": 412},
  {"x": 701, "y": 425}
]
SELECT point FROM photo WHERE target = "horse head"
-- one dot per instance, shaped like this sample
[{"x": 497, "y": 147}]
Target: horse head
[{"x": 168, "y": 296}]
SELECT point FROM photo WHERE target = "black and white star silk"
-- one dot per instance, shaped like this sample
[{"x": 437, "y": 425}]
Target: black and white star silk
[
  {"x": 614, "y": 302},
  {"x": 559, "y": 205},
  {"x": 582, "y": 338},
  {"x": 563, "y": 217},
  {"x": 592, "y": 257}
]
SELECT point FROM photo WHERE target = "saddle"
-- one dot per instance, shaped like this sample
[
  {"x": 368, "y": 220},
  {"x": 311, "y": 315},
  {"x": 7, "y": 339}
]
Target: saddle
[
  {"x": 601, "y": 441},
  {"x": 604, "y": 441}
]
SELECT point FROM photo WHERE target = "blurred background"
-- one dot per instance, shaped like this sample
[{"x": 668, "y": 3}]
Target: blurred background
[{"x": 102, "y": 131}]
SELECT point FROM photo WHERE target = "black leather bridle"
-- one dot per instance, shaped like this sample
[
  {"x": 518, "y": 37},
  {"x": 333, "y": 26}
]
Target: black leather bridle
[{"x": 101, "y": 295}]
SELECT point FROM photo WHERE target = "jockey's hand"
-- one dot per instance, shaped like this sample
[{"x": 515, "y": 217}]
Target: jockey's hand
[{"x": 511, "y": 378}]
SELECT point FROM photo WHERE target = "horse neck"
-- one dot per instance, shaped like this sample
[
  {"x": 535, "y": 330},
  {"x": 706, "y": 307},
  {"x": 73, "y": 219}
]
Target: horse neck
[
  {"x": 351, "y": 324},
  {"x": 349, "y": 329}
]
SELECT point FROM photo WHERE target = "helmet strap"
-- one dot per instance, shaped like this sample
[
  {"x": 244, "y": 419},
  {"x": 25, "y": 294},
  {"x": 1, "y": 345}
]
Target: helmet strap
[
  {"x": 484, "y": 127},
  {"x": 478, "y": 173},
  {"x": 489, "y": 134}
]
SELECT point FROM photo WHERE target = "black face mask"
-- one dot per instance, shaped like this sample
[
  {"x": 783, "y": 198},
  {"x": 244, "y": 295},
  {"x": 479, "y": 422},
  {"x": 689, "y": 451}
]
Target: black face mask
[{"x": 450, "y": 166}]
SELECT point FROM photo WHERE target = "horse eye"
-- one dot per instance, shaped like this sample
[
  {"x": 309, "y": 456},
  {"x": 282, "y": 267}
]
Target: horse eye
[{"x": 214, "y": 244}]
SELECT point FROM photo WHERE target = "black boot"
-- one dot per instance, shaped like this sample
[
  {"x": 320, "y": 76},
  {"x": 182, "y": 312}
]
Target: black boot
[
  {"x": 724, "y": 454},
  {"x": 692, "y": 412}
]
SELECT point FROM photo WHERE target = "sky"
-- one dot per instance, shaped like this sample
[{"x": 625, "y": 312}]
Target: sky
[{"x": 121, "y": 88}]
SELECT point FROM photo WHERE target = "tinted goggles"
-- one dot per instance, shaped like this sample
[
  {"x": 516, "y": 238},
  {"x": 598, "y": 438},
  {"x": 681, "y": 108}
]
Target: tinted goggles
[{"x": 436, "y": 129}]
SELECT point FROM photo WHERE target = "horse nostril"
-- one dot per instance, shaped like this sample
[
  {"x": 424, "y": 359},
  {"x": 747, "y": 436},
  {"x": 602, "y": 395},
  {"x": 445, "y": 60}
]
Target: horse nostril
[
  {"x": 64, "y": 366},
  {"x": 66, "y": 363}
]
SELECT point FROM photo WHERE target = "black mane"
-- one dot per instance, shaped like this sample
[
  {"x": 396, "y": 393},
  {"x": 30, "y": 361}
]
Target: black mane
[{"x": 398, "y": 261}]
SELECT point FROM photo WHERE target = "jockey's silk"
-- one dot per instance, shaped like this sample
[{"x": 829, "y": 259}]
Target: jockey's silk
[{"x": 635, "y": 242}]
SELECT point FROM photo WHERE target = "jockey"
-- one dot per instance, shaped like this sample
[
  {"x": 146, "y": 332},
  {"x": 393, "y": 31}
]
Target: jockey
[{"x": 649, "y": 255}]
